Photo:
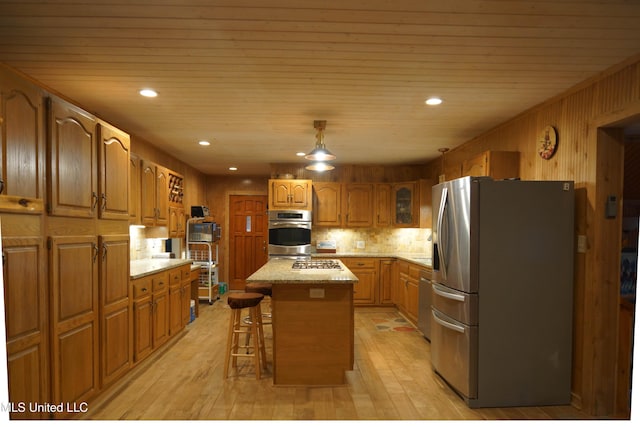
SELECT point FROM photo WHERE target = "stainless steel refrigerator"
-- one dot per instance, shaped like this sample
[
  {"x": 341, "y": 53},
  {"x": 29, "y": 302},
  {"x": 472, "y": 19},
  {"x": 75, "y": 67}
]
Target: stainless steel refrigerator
[{"x": 502, "y": 290}]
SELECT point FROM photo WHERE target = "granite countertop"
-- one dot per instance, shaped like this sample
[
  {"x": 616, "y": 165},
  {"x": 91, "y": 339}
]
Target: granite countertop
[
  {"x": 144, "y": 267},
  {"x": 280, "y": 271},
  {"x": 416, "y": 258}
]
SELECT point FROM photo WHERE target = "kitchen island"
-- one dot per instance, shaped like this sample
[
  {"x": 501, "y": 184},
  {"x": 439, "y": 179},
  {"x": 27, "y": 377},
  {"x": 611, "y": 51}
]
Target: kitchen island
[{"x": 312, "y": 320}]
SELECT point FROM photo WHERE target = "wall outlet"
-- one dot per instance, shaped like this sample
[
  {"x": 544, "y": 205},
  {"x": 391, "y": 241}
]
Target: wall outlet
[
  {"x": 582, "y": 244},
  {"x": 360, "y": 244}
]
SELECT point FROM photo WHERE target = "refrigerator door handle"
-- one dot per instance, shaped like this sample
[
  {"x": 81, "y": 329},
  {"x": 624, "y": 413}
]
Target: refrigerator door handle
[
  {"x": 446, "y": 324},
  {"x": 439, "y": 290},
  {"x": 443, "y": 202}
]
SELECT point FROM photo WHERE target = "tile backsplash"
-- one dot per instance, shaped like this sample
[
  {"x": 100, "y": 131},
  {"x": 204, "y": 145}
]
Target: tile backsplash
[{"x": 376, "y": 240}]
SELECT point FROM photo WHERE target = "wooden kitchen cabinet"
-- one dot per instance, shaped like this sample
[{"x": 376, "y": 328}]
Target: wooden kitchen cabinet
[
  {"x": 175, "y": 301},
  {"x": 114, "y": 167},
  {"x": 154, "y": 189},
  {"x": 386, "y": 276},
  {"x": 177, "y": 221},
  {"x": 26, "y": 322},
  {"x": 75, "y": 339},
  {"x": 185, "y": 296},
  {"x": 366, "y": 269},
  {"x": 135, "y": 177},
  {"x": 357, "y": 205},
  {"x": 406, "y": 209},
  {"x": 290, "y": 194},
  {"x": 382, "y": 205},
  {"x": 160, "y": 302},
  {"x": 142, "y": 318},
  {"x": 496, "y": 164},
  {"x": 327, "y": 201},
  {"x": 73, "y": 191},
  {"x": 115, "y": 309},
  {"x": 22, "y": 145},
  {"x": 405, "y": 293}
]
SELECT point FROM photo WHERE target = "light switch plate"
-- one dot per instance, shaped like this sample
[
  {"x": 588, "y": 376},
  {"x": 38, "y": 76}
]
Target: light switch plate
[
  {"x": 316, "y": 293},
  {"x": 360, "y": 244}
]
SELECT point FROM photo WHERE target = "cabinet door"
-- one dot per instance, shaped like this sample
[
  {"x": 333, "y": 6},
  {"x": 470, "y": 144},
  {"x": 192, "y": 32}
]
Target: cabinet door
[
  {"x": 176, "y": 222},
  {"x": 26, "y": 322},
  {"x": 116, "y": 320},
  {"x": 114, "y": 173},
  {"x": 175, "y": 309},
  {"x": 22, "y": 145},
  {"x": 279, "y": 194},
  {"x": 326, "y": 204},
  {"x": 358, "y": 205},
  {"x": 382, "y": 205},
  {"x": 74, "y": 318},
  {"x": 386, "y": 280},
  {"x": 135, "y": 176},
  {"x": 148, "y": 193},
  {"x": 162, "y": 196},
  {"x": 160, "y": 318},
  {"x": 142, "y": 328},
  {"x": 73, "y": 190},
  {"x": 185, "y": 299},
  {"x": 299, "y": 191},
  {"x": 406, "y": 208},
  {"x": 411, "y": 299}
]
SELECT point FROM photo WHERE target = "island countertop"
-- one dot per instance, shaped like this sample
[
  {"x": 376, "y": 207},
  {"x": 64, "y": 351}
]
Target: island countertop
[{"x": 280, "y": 271}]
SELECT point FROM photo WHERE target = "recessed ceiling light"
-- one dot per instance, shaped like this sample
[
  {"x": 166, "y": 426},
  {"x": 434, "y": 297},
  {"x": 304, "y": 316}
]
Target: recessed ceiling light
[
  {"x": 149, "y": 93},
  {"x": 433, "y": 101},
  {"x": 233, "y": 168},
  {"x": 204, "y": 143}
]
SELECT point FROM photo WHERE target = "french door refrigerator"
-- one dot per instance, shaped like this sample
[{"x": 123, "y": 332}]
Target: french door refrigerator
[{"x": 502, "y": 290}]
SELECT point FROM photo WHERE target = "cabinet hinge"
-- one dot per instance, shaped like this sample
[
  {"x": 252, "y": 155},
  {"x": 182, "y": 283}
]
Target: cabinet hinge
[{"x": 49, "y": 243}]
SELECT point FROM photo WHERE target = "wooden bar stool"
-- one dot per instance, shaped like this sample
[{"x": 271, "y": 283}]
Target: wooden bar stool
[
  {"x": 264, "y": 289},
  {"x": 238, "y": 302}
]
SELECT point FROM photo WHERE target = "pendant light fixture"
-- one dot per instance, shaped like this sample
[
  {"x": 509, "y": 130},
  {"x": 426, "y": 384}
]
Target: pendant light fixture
[{"x": 319, "y": 154}]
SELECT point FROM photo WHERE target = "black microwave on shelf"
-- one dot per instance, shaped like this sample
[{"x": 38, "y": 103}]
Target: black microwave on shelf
[{"x": 203, "y": 232}]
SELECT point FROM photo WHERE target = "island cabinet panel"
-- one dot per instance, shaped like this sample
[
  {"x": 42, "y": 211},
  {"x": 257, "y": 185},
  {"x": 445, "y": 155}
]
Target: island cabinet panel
[
  {"x": 22, "y": 145},
  {"x": 74, "y": 313},
  {"x": 115, "y": 310},
  {"x": 312, "y": 333},
  {"x": 327, "y": 200},
  {"x": 114, "y": 173},
  {"x": 73, "y": 191},
  {"x": 26, "y": 322}
]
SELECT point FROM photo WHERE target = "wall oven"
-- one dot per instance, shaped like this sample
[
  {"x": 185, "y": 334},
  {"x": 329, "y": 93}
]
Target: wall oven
[{"x": 289, "y": 233}]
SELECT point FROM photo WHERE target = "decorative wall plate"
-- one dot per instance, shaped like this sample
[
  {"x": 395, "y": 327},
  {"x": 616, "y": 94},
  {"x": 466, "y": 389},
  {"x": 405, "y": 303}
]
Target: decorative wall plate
[{"x": 547, "y": 142}]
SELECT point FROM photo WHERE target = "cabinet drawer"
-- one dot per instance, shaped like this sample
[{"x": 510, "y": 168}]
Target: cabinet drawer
[
  {"x": 141, "y": 288},
  {"x": 186, "y": 272},
  {"x": 414, "y": 271},
  {"x": 160, "y": 282},
  {"x": 360, "y": 262},
  {"x": 175, "y": 277}
]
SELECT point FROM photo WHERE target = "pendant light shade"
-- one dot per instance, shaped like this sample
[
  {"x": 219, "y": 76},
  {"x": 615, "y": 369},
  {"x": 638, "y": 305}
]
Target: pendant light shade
[
  {"x": 319, "y": 167},
  {"x": 320, "y": 152}
]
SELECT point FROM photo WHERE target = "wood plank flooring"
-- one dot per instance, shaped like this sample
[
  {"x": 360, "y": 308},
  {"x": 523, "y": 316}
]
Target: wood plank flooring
[{"x": 392, "y": 380}]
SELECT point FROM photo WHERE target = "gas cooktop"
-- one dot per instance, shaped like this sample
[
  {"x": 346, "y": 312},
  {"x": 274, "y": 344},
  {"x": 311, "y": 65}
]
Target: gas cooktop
[{"x": 319, "y": 264}]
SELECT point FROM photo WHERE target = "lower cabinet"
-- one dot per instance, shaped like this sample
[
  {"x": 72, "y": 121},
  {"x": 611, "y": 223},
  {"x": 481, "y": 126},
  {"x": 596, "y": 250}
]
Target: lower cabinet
[
  {"x": 366, "y": 269},
  {"x": 405, "y": 288}
]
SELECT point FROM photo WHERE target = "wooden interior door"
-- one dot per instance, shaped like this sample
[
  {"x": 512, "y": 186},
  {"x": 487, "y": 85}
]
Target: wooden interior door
[{"x": 248, "y": 237}]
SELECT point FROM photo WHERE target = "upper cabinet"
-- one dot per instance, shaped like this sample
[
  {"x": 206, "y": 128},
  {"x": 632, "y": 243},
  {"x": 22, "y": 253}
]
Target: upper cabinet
[
  {"x": 290, "y": 194},
  {"x": 496, "y": 164},
  {"x": 114, "y": 173},
  {"x": 73, "y": 168},
  {"x": 22, "y": 145},
  {"x": 358, "y": 205},
  {"x": 406, "y": 205},
  {"x": 98, "y": 182},
  {"x": 154, "y": 189},
  {"x": 135, "y": 166},
  {"x": 327, "y": 198}
]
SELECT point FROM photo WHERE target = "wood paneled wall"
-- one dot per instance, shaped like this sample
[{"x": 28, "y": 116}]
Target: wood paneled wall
[
  {"x": 592, "y": 159},
  {"x": 352, "y": 173}
]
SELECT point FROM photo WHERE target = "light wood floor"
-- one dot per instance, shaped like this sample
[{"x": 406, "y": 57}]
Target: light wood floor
[{"x": 392, "y": 380}]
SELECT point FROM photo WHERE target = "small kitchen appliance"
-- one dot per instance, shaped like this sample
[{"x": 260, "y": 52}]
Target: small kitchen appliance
[{"x": 203, "y": 231}]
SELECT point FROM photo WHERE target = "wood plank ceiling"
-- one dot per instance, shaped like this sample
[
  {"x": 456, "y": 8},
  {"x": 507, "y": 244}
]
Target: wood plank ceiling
[{"x": 251, "y": 76}]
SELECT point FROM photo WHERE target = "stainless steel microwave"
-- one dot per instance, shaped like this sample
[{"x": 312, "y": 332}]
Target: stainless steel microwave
[{"x": 203, "y": 232}]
